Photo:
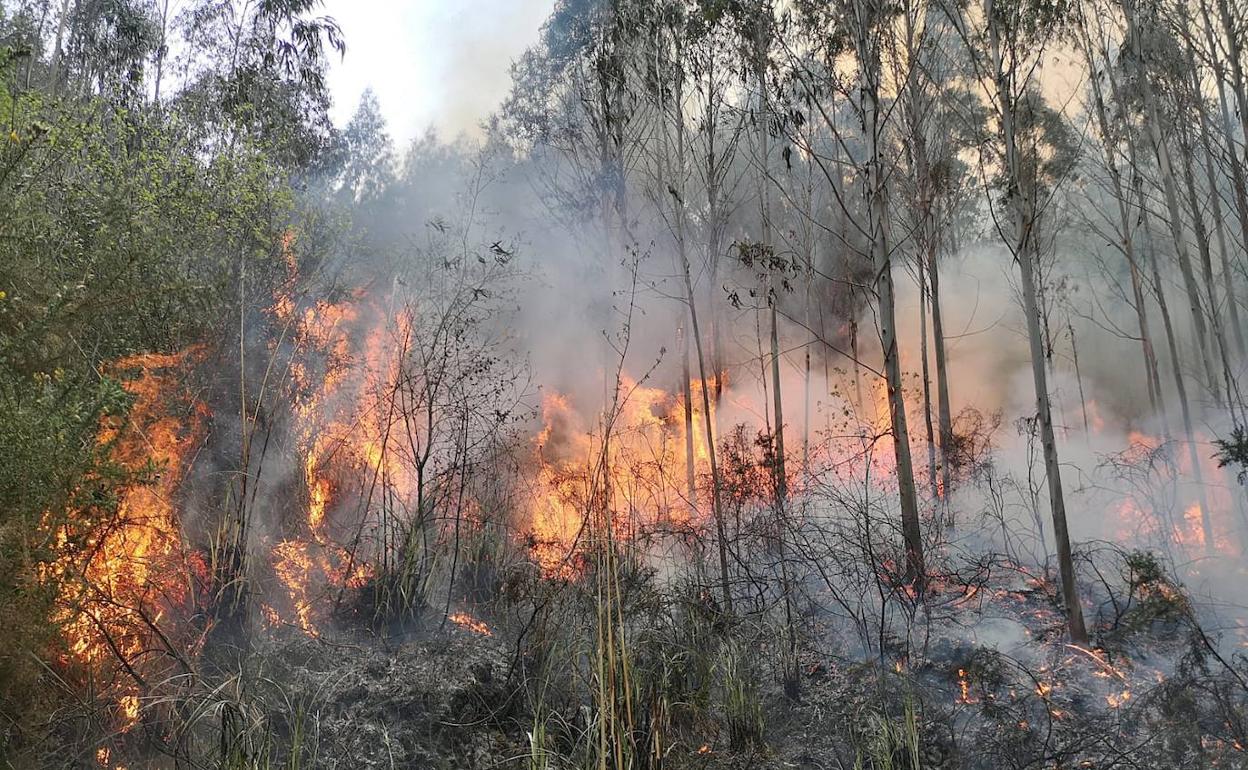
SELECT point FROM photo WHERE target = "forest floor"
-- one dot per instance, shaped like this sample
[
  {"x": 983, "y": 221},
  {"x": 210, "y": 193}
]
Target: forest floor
[{"x": 990, "y": 682}]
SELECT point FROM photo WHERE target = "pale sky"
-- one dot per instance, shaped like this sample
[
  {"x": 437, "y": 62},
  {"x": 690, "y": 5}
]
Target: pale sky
[{"x": 440, "y": 63}]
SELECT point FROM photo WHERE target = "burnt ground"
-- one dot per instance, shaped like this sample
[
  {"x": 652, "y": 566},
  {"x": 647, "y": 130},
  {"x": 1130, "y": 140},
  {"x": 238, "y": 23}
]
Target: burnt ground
[{"x": 990, "y": 684}]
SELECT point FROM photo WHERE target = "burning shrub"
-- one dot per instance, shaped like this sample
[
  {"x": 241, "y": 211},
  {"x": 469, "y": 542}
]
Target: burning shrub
[{"x": 58, "y": 485}]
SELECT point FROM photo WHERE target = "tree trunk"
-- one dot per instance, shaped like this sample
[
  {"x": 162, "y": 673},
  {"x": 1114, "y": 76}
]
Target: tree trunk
[
  {"x": 1238, "y": 182},
  {"x": 943, "y": 409},
  {"x": 676, "y": 185},
  {"x": 1023, "y": 247},
  {"x": 1206, "y": 263},
  {"x": 773, "y": 296},
  {"x": 1168, "y": 326},
  {"x": 691, "y": 478},
  {"x": 58, "y": 48},
  {"x": 869, "y": 15},
  {"x": 1125, "y": 229},
  {"x": 1153, "y": 120},
  {"x": 932, "y": 477}
]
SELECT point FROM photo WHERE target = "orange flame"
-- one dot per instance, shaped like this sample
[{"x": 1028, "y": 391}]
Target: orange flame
[
  {"x": 641, "y": 483},
  {"x": 125, "y": 571},
  {"x": 464, "y": 620}
]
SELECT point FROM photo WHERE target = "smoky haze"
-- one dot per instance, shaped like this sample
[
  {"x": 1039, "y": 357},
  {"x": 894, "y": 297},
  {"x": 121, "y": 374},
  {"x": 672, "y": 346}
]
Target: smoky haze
[{"x": 434, "y": 65}]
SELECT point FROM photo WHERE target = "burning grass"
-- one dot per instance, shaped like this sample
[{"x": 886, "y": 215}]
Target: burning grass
[{"x": 578, "y": 551}]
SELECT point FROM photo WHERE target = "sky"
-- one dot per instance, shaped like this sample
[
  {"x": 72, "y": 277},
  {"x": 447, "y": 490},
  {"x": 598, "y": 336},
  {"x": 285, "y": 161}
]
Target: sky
[{"x": 432, "y": 63}]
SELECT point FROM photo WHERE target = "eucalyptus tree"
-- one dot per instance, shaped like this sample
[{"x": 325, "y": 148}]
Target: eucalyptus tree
[
  {"x": 717, "y": 123},
  {"x": 939, "y": 119},
  {"x": 861, "y": 28},
  {"x": 577, "y": 111},
  {"x": 1112, "y": 135},
  {"x": 1230, "y": 155},
  {"x": 368, "y": 164},
  {"x": 256, "y": 71},
  {"x": 1139, "y": 72},
  {"x": 1152, "y": 54},
  {"x": 1007, "y": 41},
  {"x": 668, "y": 77}
]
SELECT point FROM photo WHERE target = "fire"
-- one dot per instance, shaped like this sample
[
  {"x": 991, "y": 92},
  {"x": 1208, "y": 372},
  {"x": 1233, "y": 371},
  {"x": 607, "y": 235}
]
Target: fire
[
  {"x": 642, "y": 482},
  {"x": 464, "y": 620},
  {"x": 964, "y": 687},
  {"x": 344, "y": 377},
  {"x": 1190, "y": 533},
  {"x": 1146, "y": 515},
  {"x": 1096, "y": 422},
  {"x": 127, "y": 570},
  {"x": 129, "y": 708},
  {"x": 295, "y": 567}
]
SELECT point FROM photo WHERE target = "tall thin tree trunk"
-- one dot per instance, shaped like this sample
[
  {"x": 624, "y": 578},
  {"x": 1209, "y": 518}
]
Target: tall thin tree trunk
[
  {"x": 1225, "y": 354},
  {"x": 773, "y": 297},
  {"x": 58, "y": 48},
  {"x": 1174, "y": 214},
  {"x": 1185, "y": 411},
  {"x": 932, "y": 478},
  {"x": 943, "y": 408},
  {"x": 869, "y": 15},
  {"x": 1125, "y": 228},
  {"x": 792, "y": 680},
  {"x": 1239, "y": 184},
  {"x": 1083, "y": 402},
  {"x": 676, "y": 184},
  {"x": 1023, "y": 247},
  {"x": 1206, "y": 264},
  {"x": 1215, "y": 202},
  {"x": 691, "y": 479}
]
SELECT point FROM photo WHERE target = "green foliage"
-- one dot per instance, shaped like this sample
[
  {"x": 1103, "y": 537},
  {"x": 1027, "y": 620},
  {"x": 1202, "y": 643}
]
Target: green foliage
[
  {"x": 112, "y": 240},
  {"x": 56, "y": 484},
  {"x": 1233, "y": 451},
  {"x": 888, "y": 743},
  {"x": 1153, "y": 596},
  {"x": 1029, "y": 23},
  {"x": 259, "y": 72},
  {"x": 117, "y": 236}
]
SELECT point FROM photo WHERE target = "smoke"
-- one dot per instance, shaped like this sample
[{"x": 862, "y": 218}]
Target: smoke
[
  {"x": 581, "y": 302},
  {"x": 433, "y": 65}
]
